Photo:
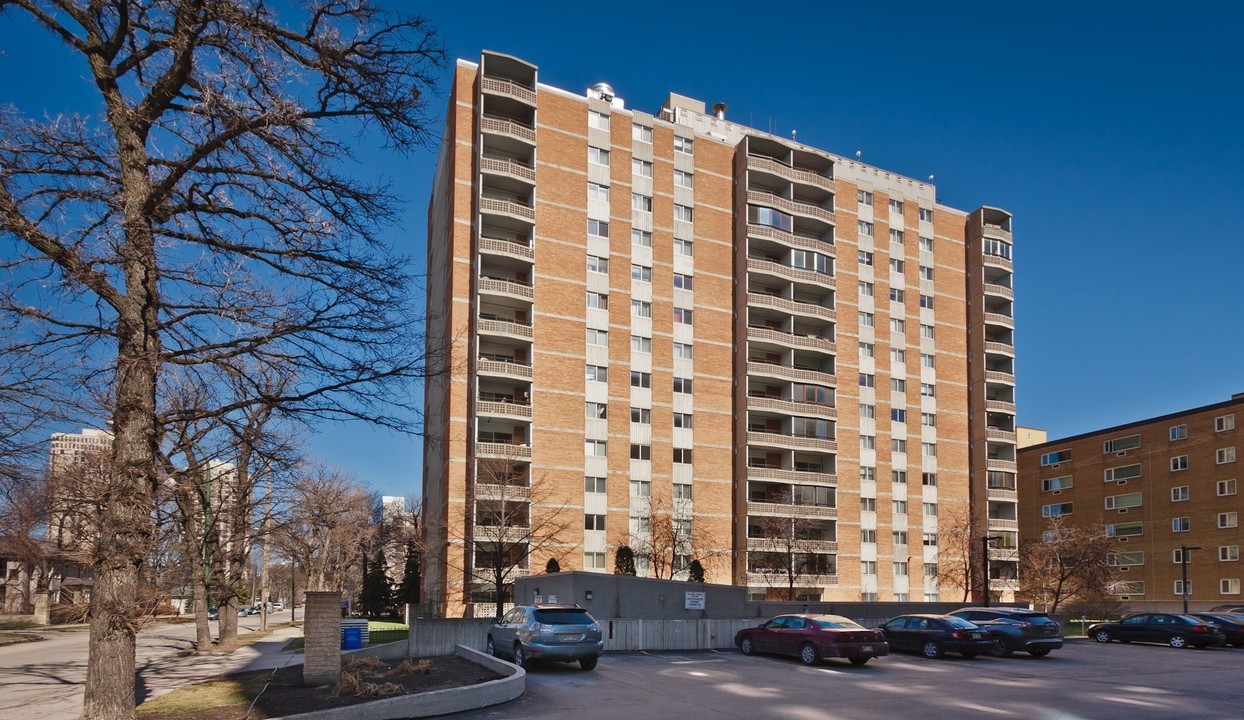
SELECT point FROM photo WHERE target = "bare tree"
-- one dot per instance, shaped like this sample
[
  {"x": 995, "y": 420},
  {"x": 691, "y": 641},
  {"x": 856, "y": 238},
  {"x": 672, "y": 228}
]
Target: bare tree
[
  {"x": 1069, "y": 563},
  {"x": 790, "y": 551},
  {"x": 666, "y": 540},
  {"x": 327, "y": 522},
  {"x": 202, "y": 215},
  {"x": 959, "y": 534}
]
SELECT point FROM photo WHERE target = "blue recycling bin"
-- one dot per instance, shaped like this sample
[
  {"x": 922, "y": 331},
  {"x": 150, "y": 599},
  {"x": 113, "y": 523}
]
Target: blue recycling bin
[{"x": 351, "y": 638}]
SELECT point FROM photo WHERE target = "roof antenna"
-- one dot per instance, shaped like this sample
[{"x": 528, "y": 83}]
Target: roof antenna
[
  {"x": 792, "y": 134},
  {"x": 858, "y": 153}
]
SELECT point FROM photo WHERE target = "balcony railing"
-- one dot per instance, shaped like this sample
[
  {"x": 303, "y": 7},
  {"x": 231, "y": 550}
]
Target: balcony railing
[
  {"x": 792, "y": 407},
  {"x": 795, "y": 476},
  {"x": 1001, "y": 494},
  {"x": 780, "y": 545},
  {"x": 505, "y": 166},
  {"x": 497, "y": 286},
  {"x": 1001, "y": 585},
  {"x": 505, "y": 247},
  {"x": 781, "y": 169},
  {"x": 777, "y": 577},
  {"x": 1005, "y": 406},
  {"x": 505, "y": 327},
  {"x": 1000, "y": 291},
  {"x": 999, "y": 347},
  {"x": 805, "y": 242},
  {"x": 501, "y": 367},
  {"x": 791, "y": 510},
  {"x": 996, "y": 231},
  {"x": 999, "y": 319},
  {"x": 995, "y": 434},
  {"x": 492, "y": 491},
  {"x": 507, "y": 207},
  {"x": 791, "y": 306},
  {"x": 791, "y": 206},
  {"x": 999, "y": 524},
  {"x": 790, "y": 273},
  {"x": 998, "y": 261},
  {"x": 791, "y": 441},
  {"x": 509, "y": 88},
  {"x": 785, "y": 338},
  {"x": 787, "y": 372},
  {"x": 1004, "y": 465},
  {"x": 509, "y": 128},
  {"x": 505, "y": 451},
  {"x": 999, "y": 376},
  {"x": 506, "y": 409}
]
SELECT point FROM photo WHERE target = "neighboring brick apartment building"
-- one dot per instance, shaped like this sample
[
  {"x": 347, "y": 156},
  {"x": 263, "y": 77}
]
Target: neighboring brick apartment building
[
  {"x": 1158, "y": 485},
  {"x": 795, "y": 356}
]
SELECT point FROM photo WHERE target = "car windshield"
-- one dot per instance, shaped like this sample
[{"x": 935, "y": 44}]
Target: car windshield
[
  {"x": 563, "y": 617},
  {"x": 956, "y": 622},
  {"x": 832, "y": 622},
  {"x": 1189, "y": 619},
  {"x": 1034, "y": 618}
]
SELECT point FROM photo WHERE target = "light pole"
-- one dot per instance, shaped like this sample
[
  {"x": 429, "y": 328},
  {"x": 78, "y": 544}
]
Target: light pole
[
  {"x": 1183, "y": 566},
  {"x": 985, "y": 548}
]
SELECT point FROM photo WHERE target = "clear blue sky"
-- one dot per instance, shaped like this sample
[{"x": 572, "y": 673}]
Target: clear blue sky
[{"x": 1113, "y": 133}]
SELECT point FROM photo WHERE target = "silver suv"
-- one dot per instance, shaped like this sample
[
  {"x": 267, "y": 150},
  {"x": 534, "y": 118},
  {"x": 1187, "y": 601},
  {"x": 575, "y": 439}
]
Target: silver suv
[{"x": 565, "y": 633}]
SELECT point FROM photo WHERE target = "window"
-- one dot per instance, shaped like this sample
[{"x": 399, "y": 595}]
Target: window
[
  {"x": 926, "y": 273},
  {"x": 1055, "y": 458},
  {"x": 1058, "y": 483},
  {"x": 642, "y": 238},
  {"x": 1123, "y": 472},
  {"x": 866, "y": 289},
  {"x": 998, "y": 248},
  {"x": 594, "y": 484},
  {"x": 900, "y": 569},
  {"x": 597, "y": 373},
  {"x": 868, "y": 380},
  {"x": 597, "y": 337},
  {"x": 896, "y": 295},
  {"x": 868, "y": 567},
  {"x": 898, "y": 476},
  {"x": 1228, "y": 553},
  {"x": 1182, "y": 587},
  {"x": 930, "y": 539},
  {"x": 641, "y": 452},
  {"x": 597, "y": 120},
  {"x": 600, "y": 301},
  {"x": 593, "y": 522},
  {"x": 682, "y": 491},
  {"x": 641, "y": 379},
  {"x": 1127, "y": 587},
  {"x": 1120, "y": 501},
  {"x": 683, "y": 351},
  {"x": 1181, "y": 524},
  {"x": 928, "y": 449},
  {"x": 1225, "y": 487},
  {"x": 1228, "y": 520},
  {"x": 684, "y": 145},
  {"x": 926, "y": 331},
  {"x": 597, "y": 264},
  {"x": 598, "y": 411},
  {"x": 642, "y": 168},
  {"x": 1179, "y": 463},
  {"x": 865, "y": 198},
  {"x": 770, "y": 217},
  {"x": 898, "y": 385},
  {"x": 1224, "y": 422},
  {"x": 928, "y": 419},
  {"x": 1179, "y": 432},
  {"x": 599, "y": 193},
  {"x": 868, "y": 536},
  {"x": 1131, "y": 529},
  {"x": 866, "y": 258},
  {"x": 926, "y": 302},
  {"x": 682, "y": 420},
  {"x": 683, "y": 385},
  {"x": 682, "y": 282},
  {"x": 682, "y": 455},
  {"x": 641, "y": 133},
  {"x": 926, "y": 244},
  {"x": 868, "y": 442},
  {"x": 684, "y": 213},
  {"x": 594, "y": 448},
  {"x": 641, "y": 308},
  {"x": 897, "y": 415},
  {"x": 642, "y": 203},
  {"x": 1224, "y": 455},
  {"x": 1121, "y": 444},
  {"x": 896, "y": 236},
  {"x": 929, "y": 509},
  {"x": 684, "y": 179},
  {"x": 928, "y": 479},
  {"x": 598, "y": 228},
  {"x": 1056, "y": 509},
  {"x": 867, "y": 350},
  {"x": 898, "y": 445},
  {"x": 930, "y": 571},
  {"x": 898, "y": 507},
  {"x": 597, "y": 156},
  {"x": 686, "y": 248},
  {"x": 868, "y": 474},
  {"x": 640, "y": 344},
  {"x": 641, "y": 416},
  {"x": 1229, "y": 586},
  {"x": 867, "y": 411},
  {"x": 868, "y": 504},
  {"x": 927, "y": 390},
  {"x": 1179, "y": 494},
  {"x": 1125, "y": 559},
  {"x": 866, "y": 319},
  {"x": 896, "y": 266},
  {"x": 641, "y": 488},
  {"x": 899, "y": 537},
  {"x": 897, "y": 325},
  {"x": 683, "y": 316},
  {"x": 865, "y": 228}
]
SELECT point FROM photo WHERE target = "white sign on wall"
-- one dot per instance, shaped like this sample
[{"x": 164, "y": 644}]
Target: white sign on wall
[{"x": 694, "y": 601}]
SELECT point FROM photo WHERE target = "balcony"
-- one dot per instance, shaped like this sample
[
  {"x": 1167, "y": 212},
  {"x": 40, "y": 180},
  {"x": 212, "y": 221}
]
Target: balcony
[
  {"x": 791, "y": 306},
  {"x": 787, "y": 372},
  {"x": 1001, "y": 494},
  {"x": 793, "y": 442},
  {"x": 1001, "y": 465},
  {"x": 996, "y": 231},
  {"x": 491, "y": 491},
  {"x": 999, "y": 290},
  {"x": 485, "y": 574},
  {"x": 507, "y": 208},
  {"x": 803, "y": 242},
  {"x": 1001, "y": 585},
  {"x": 508, "y": 88},
  {"x": 794, "y": 207},
  {"x": 781, "y": 337},
  {"x": 801, "y": 477},
  {"x": 791, "y": 407},
  {"x": 1000, "y": 319},
  {"x": 789, "y": 510},
  {"x": 1002, "y": 554},
  {"x": 503, "y": 368},
  {"x": 998, "y": 261},
  {"x": 503, "y": 451},
  {"x": 793, "y": 174},
  {"x": 999, "y": 524},
  {"x": 493, "y": 246},
  {"x": 790, "y": 273},
  {"x": 800, "y": 546},
  {"x": 508, "y": 168},
  {"x": 778, "y": 578},
  {"x": 507, "y": 288},
  {"x": 508, "y": 128},
  {"x": 999, "y": 376},
  {"x": 999, "y": 347},
  {"x": 997, "y": 434},
  {"x": 506, "y": 328},
  {"x": 492, "y": 408},
  {"x": 1005, "y": 406}
]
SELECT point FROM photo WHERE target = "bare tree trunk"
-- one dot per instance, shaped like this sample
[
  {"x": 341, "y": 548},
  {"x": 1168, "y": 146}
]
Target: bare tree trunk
[{"x": 202, "y": 631}]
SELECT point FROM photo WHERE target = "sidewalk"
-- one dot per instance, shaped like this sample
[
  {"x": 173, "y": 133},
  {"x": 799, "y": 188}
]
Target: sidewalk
[{"x": 161, "y": 676}]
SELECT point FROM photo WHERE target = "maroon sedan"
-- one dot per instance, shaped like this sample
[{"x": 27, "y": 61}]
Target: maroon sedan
[{"x": 813, "y": 637}]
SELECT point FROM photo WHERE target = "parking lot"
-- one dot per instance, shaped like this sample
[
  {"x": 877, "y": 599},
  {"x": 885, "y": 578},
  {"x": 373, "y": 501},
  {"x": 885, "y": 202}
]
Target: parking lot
[{"x": 1082, "y": 680}]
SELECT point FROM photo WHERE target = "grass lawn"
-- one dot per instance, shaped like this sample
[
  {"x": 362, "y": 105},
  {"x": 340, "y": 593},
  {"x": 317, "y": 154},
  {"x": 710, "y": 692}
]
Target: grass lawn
[{"x": 227, "y": 691}]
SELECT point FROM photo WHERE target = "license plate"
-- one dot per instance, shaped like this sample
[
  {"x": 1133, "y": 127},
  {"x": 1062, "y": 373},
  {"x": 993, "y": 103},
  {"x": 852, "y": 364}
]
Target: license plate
[
  {"x": 976, "y": 636},
  {"x": 570, "y": 637},
  {"x": 866, "y": 648}
]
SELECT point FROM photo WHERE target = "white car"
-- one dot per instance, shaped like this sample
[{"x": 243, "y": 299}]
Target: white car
[{"x": 278, "y": 606}]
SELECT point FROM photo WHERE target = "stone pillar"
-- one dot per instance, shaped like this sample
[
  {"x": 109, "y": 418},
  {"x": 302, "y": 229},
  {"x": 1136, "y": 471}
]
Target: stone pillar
[
  {"x": 43, "y": 607},
  {"x": 321, "y": 631}
]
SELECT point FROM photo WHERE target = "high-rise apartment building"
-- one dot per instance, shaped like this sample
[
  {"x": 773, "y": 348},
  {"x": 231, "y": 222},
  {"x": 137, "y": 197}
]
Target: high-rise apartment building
[
  {"x": 1159, "y": 487},
  {"x": 704, "y": 342}
]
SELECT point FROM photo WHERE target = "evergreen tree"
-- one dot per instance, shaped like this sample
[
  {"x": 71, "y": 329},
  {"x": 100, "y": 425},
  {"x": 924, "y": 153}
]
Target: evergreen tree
[
  {"x": 376, "y": 598},
  {"x": 408, "y": 591},
  {"x": 624, "y": 561},
  {"x": 695, "y": 572},
  {"x": 552, "y": 566}
]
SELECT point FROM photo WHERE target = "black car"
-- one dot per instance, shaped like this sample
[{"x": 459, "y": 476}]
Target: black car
[
  {"x": 1173, "y": 629},
  {"x": 1015, "y": 629},
  {"x": 1231, "y": 624},
  {"x": 934, "y": 635}
]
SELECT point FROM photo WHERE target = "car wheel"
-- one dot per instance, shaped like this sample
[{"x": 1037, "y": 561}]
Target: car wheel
[
  {"x": 1039, "y": 653},
  {"x": 808, "y": 654},
  {"x": 490, "y": 647},
  {"x": 859, "y": 661},
  {"x": 1101, "y": 636},
  {"x": 746, "y": 646},
  {"x": 588, "y": 663},
  {"x": 998, "y": 647},
  {"x": 931, "y": 650},
  {"x": 1178, "y": 641},
  {"x": 520, "y": 657}
]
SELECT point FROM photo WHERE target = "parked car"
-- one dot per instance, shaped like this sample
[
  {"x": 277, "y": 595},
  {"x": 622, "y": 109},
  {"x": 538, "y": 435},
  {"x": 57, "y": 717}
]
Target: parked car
[
  {"x": 812, "y": 638},
  {"x": 213, "y": 613},
  {"x": 1231, "y": 624},
  {"x": 254, "y": 610},
  {"x": 1171, "y": 628},
  {"x": 565, "y": 633},
  {"x": 243, "y": 611},
  {"x": 1015, "y": 629},
  {"x": 1227, "y": 608},
  {"x": 277, "y": 607},
  {"x": 934, "y": 635}
]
